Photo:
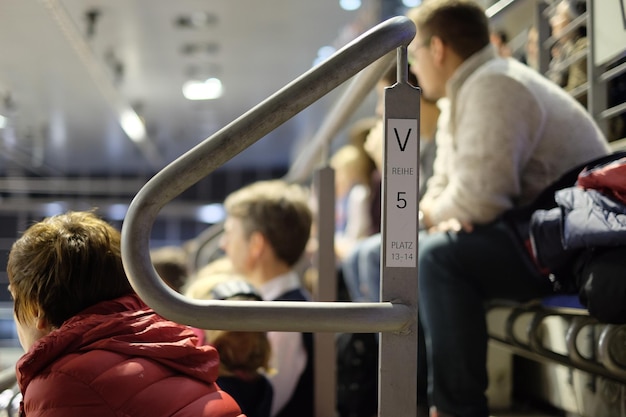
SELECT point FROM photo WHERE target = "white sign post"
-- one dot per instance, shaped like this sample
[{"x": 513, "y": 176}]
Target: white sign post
[
  {"x": 402, "y": 183},
  {"x": 398, "y": 351}
]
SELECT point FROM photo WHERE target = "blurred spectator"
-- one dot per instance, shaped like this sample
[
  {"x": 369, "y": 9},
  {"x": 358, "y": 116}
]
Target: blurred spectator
[
  {"x": 429, "y": 114},
  {"x": 353, "y": 169},
  {"x": 244, "y": 356},
  {"x": 358, "y": 134},
  {"x": 171, "y": 262},
  {"x": 566, "y": 69},
  {"x": 267, "y": 227},
  {"x": 531, "y": 48},
  {"x": 361, "y": 269},
  {"x": 93, "y": 348},
  {"x": 501, "y": 140},
  {"x": 220, "y": 265},
  {"x": 500, "y": 40}
]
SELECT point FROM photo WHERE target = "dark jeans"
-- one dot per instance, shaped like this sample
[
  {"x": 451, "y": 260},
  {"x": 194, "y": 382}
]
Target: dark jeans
[
  {"x": 361, "y": 270},
  {"x": 457, "y": 273}
]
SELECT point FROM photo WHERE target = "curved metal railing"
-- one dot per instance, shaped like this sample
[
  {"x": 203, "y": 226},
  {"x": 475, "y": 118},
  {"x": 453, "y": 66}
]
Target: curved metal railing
[
  {"x": 317, "y": 149},
  {"x": 213, "y": 152},
  {"x": 609, "y": 363}
]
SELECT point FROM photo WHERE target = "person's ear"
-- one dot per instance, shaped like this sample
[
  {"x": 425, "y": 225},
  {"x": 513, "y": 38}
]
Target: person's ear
[
  {"x": 41, "y": 322},
  {"x": 437, "y": 50},
  {"x": 256, "y": 244}
]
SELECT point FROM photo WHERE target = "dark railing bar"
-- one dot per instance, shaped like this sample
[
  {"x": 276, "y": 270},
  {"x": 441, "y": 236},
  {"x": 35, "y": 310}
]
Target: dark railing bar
[{"x": 613, "y": 73}]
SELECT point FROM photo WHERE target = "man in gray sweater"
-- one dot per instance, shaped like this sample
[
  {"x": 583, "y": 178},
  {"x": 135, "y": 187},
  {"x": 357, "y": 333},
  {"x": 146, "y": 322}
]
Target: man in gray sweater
[{"x": 504, "y": 134}]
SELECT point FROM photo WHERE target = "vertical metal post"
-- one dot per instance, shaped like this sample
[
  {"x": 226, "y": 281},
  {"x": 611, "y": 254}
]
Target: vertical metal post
[
  {"x": 597, "y": 96},
  {"x": 543, "y": 33},
  {"x": 325, "y": 395},
  {"x": 398, "y": 351}
]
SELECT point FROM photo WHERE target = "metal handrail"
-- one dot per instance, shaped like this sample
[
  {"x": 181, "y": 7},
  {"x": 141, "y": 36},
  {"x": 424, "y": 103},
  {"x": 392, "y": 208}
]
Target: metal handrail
[
  {"x": 216, "y": 150},
  {"x": 531, "y": 345},
  {"x": 316, "y": 152},
  {"x": 7, "y": 378}
]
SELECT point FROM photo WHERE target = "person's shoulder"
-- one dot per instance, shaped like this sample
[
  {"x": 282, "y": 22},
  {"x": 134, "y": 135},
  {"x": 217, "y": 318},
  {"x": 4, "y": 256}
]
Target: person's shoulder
[
  {"x": 127, "y": 379},
  {"x": 491, "y": 75},
  {"x": 509, "y": 78},
  {"x": 505, "y": 70},
  {"x": 497, "y": 82},
  {"x": 358, "y": 192},
  {"x": 296, "y": 294},
  {"x": 88, "y": 364},
  {"x": 71, "y": 381},
  {"x": 101, "y": 367}
]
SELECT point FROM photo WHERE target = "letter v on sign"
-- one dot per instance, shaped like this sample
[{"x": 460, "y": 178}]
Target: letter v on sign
[{"x": 406, "y": 139}]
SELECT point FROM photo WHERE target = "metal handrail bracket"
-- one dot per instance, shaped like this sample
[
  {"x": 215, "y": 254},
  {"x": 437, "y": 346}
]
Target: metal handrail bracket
[{"x": 213, "y": 152}]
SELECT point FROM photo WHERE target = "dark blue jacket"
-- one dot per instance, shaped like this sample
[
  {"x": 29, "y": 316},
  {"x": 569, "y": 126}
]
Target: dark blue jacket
[
  {"x": 583, "y": 219},
  {"x": 536, "y": 228}
]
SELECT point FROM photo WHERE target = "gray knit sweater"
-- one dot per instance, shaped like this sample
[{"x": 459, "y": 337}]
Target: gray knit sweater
[{"x": 504, "y": 134}]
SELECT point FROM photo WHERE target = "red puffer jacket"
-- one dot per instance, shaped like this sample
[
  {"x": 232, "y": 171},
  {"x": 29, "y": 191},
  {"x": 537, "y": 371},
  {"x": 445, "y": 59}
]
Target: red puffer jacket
[{"x": 120, "y": 359}]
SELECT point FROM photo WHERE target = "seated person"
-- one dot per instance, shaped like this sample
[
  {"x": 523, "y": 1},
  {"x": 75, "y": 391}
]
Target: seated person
[
  {"x": 352, "y": 205},
  {"x": 568, "y": 44},
  {"x": 500, "y": 41},
  {"x": 266, "y": 230},
  {"x": 93, "y": 348},
  {"x": 244, "y": 356},
  {"x": 505, "y": 134},
  {"x": 361, "y": 268},
  {"x": 171, "y": 263}
]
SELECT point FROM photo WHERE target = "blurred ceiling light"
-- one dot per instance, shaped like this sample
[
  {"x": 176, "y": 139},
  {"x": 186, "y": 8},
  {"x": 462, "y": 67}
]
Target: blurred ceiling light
[
  {"x": 323, "y": 53},
  {"x": 411, "y": 3},
  {"x": 203, "y": 90},
  {"x": 3, "y": 122},
  {"x": 132, "y": 125},
  {"x": 54, "y": 208},
  {"x": 350, "y": 4},
  {"x": 211, "y": 213},
  {"x": 117, "y": 211}
]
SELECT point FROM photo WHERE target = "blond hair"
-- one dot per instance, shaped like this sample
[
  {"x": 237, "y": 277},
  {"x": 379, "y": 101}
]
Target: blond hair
[
  {"x": 241, "y": 353},
  {"x": 353, "y": 162}
]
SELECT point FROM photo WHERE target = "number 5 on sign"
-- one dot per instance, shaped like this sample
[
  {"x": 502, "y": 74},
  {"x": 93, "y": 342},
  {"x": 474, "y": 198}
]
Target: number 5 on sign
[{"x": 401, "y": 204}]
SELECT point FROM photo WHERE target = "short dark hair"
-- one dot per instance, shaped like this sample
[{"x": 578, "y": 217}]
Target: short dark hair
[
  {"x": 461, "y": 24},
  {"x": 279, "y": 211},
  {"x": 64, "y": 264},
  {"x": 171, "y": 263}
]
